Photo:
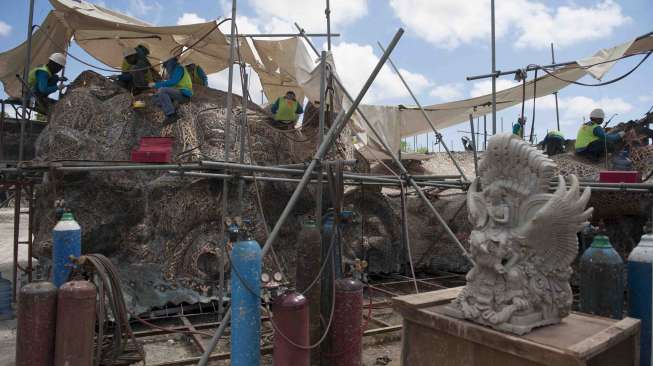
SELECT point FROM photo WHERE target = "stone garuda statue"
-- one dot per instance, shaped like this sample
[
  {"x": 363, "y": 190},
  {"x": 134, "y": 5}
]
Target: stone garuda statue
[{"x": 523, "y": 240}]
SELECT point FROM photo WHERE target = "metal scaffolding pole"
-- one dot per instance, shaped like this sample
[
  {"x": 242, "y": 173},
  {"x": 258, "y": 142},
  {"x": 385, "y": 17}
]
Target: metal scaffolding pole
[
  {"x": 227, "y": 130},
  {"x": 243, "y": 133},
  {"x": 334, "y": 131},
  {"x": 555, "y": 94},
  {"x": 327, "y": 11},
  {"x": 28, "y": 59},
  {"x": 494, "y": 70},
  {"x": 286, "y": 35},
  {"x": 471, "y": 124},
  {"x": 320, "y": 137},
  {"x": 438, "y": 135}
]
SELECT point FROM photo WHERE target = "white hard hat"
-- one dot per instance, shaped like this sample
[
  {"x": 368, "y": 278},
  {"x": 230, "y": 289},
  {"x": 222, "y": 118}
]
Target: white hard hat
[
  {"x": 58, "y": 58},
  {"x": 597, "y": 113},
  {"x": 129, "y": 51}
]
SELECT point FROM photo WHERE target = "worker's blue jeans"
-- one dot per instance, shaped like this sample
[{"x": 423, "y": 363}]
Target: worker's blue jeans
[{"x": 166, "y": 97}]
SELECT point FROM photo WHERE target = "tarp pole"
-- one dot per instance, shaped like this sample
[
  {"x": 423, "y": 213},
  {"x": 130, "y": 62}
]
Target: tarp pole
[
  {"x": 328, "y": 20},
  {"x": 494, "y": 76},
  {"x": 227, "y": 131},
  {"x": 243, "y": 131},
  {"x": 26, "y": 94},
  {"x": 471, "y": 125},
  {"x": 555, "y": 94},
  {"x": 438, "y": 135},
  {"x": 333, "y": 132}
]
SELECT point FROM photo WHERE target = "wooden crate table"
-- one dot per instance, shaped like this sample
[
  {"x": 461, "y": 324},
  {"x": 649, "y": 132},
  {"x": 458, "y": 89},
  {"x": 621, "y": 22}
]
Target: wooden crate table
[{"x": 431, "y": 338}]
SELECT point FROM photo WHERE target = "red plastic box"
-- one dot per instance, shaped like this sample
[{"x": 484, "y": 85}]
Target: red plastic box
[
  {"x": 153, "y": 150},
  {"x": 608, "y": 176}
]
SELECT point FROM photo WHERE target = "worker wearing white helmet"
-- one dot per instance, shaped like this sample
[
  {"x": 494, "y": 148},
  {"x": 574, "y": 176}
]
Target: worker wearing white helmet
[
  {"x": 592, "y": 141},
  {"x": 43, "y": 81}
]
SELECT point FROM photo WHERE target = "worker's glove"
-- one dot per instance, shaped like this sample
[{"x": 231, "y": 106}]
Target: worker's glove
[
  {"x": 621, "y": 134},
  {"x": 151, "y": 85}
]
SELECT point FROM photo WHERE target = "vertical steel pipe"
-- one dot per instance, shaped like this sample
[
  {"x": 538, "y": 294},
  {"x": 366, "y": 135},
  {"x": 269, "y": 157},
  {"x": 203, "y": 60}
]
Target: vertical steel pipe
[
  {"x": 471, "y": 125},
  {"x": 17, "y": 197},
  {"x": 555, "y": 94},
  {"x": 494, "y": 70},
  {"x": 37, "y": 318},
  {"x": 28, "y": 62},
  {"x": 30, "y": 229},
  {"x": 243, "y": 133}
]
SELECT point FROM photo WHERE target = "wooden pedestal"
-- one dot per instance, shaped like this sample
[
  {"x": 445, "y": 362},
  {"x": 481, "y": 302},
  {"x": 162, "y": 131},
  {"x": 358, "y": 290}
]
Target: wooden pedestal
[{"x": 431, "y": 338}]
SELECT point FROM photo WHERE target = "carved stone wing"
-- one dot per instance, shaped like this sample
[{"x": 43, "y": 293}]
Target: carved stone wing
[
  {"x": 551, "y": 230},
  {"x": 476, "y": 208}
]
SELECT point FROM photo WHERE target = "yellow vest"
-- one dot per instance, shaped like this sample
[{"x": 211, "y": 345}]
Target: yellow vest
[
  {"x": 148, "y": 73},
  {"x": 31, "y": 77},
  {"x": 586, "y": 136},
  {"x": 186, "y": 82},
  {"x": 287, "y": 110}
]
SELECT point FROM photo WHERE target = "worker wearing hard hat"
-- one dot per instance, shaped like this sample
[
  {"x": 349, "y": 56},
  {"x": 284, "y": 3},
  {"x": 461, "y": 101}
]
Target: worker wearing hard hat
[
  {"x": 518, "y": 127},
  {"x": 136, "y": 69},
  {"x": 286, "y": 110},
  {"x": 178, "y": 87},
  {"x": 197, "y": 75},
  {"x": 43, "y": 81},
  {"x": 592, "y": 141}
]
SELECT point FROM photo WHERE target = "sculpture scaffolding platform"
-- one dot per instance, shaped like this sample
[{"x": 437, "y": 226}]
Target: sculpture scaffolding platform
[{"x": 432, "y": 338}]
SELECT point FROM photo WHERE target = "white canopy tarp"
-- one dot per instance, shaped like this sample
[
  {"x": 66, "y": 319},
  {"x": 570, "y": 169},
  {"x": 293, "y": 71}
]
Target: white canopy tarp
[{"x": 402, "y": 122}]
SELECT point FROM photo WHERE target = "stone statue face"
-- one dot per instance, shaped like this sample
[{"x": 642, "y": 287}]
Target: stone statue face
[{"x": 514, "y": 218}]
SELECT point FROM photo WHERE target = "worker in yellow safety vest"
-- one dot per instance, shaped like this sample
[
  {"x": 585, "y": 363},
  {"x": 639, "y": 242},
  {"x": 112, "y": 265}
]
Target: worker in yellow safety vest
[
  {"x": 177, "y": 88},
  {"x": 197, "y": 75},
  {"x": 286, "y": 110},
  {"x": 43, "y": 81},
  {"x": 592, "y": 141},
  {"x": 137, "y": 71}
]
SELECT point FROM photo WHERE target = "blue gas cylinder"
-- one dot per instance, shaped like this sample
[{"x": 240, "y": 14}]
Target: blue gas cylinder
[
  {"x": 66, "y": 242},
  {"x": 601, "y": 280},
  {"x": 245, "y": 303},
  {"x": 640, "y": 288},
  {"x": 6, "y": 312}
]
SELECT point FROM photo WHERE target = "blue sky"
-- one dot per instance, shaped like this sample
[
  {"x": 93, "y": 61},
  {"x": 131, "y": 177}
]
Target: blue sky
[{"x": 445, "y": 41}]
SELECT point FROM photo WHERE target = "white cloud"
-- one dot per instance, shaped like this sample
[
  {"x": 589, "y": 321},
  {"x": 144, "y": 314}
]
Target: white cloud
[
  {"x": 220, "y": 81},
  {"x": 579, "y": 107},
  {"x": 450, "y": 23},
  {"x": 485, "y": 87},
  {"x": 645, "y": 98},
  {"x": 280, "y": 15},
  {"x": 147, "y": 9},
  {"x": 355, "y": 62},
  {"x": 447, "y": 92},
  {"x": 5, "y": 29},
  {"x": 190, "y": 18}
]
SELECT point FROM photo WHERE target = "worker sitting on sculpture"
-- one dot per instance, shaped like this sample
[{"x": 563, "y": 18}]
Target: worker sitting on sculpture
[
  {"x": 592, "y": 141},
  {"x": 197, "y": 75},
  {"x": 553, "y": 143},
  {"x": 177, "y": 88},
  {"x": 43, "y": 81},
  {"x": 136, "y": 69},
  {"x": 286, "y": 110},
  {"x": 523, "y": 241}
]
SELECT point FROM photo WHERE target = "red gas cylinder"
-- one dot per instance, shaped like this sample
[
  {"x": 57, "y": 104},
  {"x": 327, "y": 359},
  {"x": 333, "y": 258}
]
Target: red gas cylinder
[
  {"x": 75, "y": 324},
  {"x": 37, "y": 316},
  {"x": 291, "y": 320},
  {"x": 346, "y": 334}
]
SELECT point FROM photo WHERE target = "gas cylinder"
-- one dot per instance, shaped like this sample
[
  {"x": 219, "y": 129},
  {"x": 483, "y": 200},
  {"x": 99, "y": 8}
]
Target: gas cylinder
[
  {"x": 37, "y": 317},
  {"x": 346, "y": 334},
  {"x": 308, "y": 268},
  {"x": 6, "y": 312},
  {"x": 75, "y": 324},
  {"x": 291, "y": 320},
  {"x": 601, "y": 280},
  {"x": 245, "y": 303},
  {"x": 640, "y": 288},
  {"x": 66, "y": 242}
]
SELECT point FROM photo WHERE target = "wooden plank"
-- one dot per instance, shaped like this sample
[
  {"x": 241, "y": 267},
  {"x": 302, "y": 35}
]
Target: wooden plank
[
  {"x": 606, "y": 339},
  {"x": 426, "y": 299}
]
